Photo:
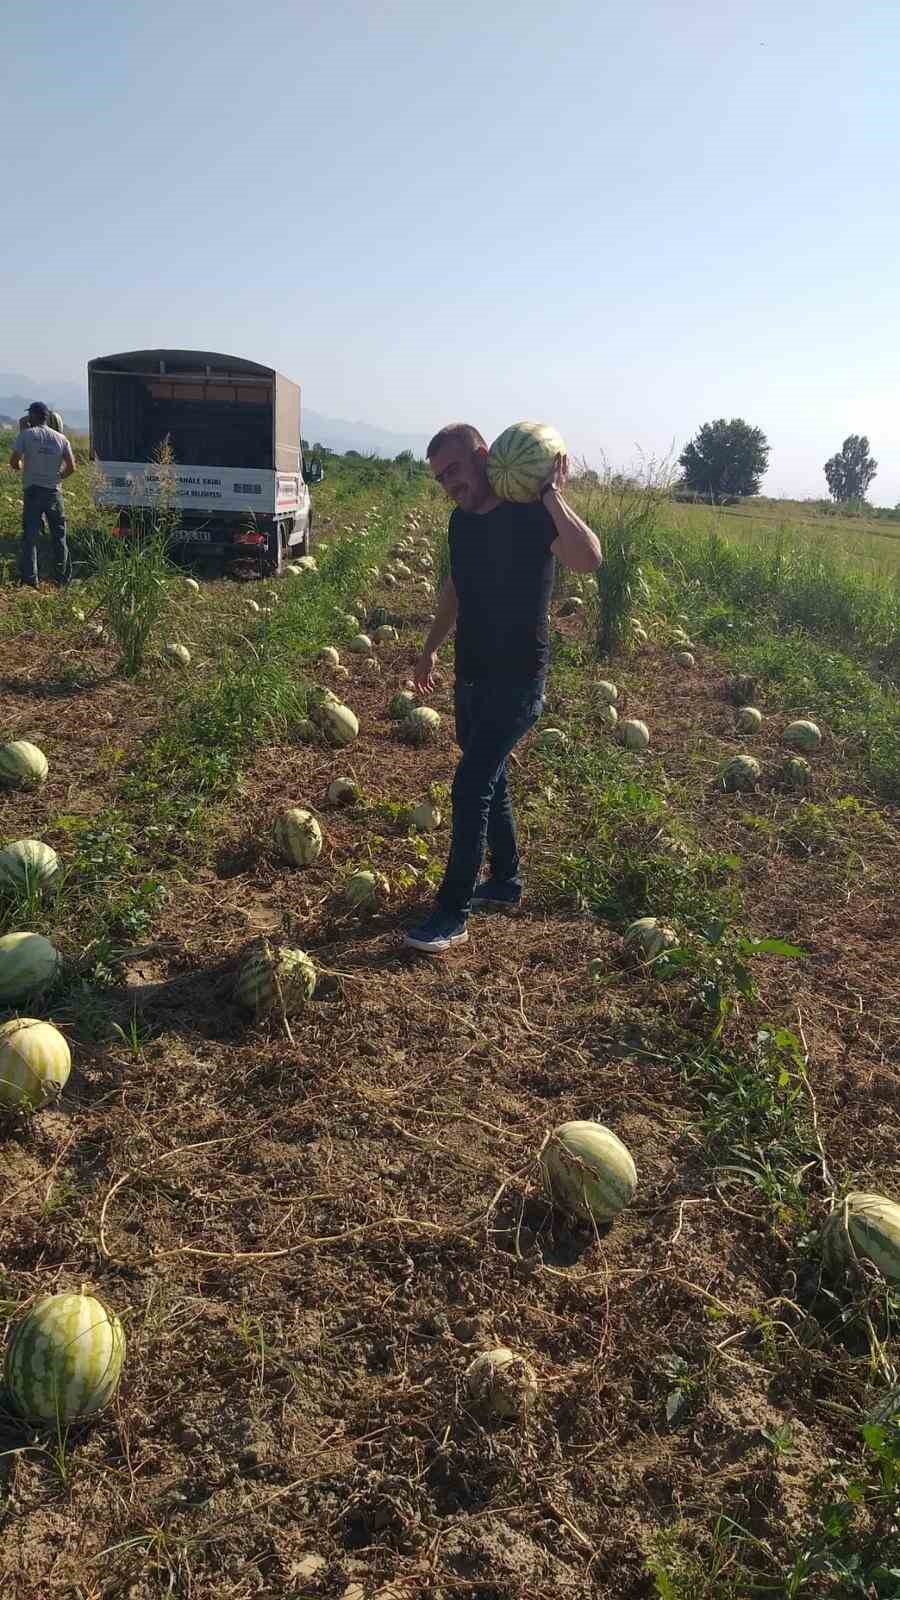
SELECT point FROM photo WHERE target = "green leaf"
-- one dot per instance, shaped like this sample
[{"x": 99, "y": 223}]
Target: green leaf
[{"x": 772, "y": 947}]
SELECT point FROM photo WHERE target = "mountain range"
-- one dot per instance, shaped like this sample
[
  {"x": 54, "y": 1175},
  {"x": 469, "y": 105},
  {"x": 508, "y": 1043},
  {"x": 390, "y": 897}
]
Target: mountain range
[{"x": 70, "y": 398}]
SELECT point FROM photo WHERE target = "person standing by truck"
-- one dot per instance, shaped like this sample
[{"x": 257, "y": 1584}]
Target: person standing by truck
[
  {"x": 497, "y": 598},
  {"x": 45, "y": 459}
]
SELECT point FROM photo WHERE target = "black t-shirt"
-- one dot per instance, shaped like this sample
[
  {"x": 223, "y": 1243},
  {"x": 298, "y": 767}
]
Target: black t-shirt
[{"x": 502, "y": 572}]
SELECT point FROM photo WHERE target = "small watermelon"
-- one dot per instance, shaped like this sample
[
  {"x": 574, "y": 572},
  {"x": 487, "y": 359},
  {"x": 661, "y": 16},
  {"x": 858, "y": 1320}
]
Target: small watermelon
[
  {"x": 339, "y": 723},
  {"x": 35, "y": 1063},
  {"x": 550, "y": 740},
  {"x": 802, "y": 735},
  {"x": 28, "y": 964},
  {"x": 636, "y": 734},
  {"x": 178, "y": 654},
  {"x": 606, "y": 692},
  {"x": 269, "y": 979},
  {"x": 797, "y": 772},
  {"x": 426, "y": 817},
  {"x": 502, "y": 1383},
  {"x": 649, "y": 937},
  {"x": 298, "y": 837},
  {"x": 401, "y": 705},
  {"x": 741, "y": 774},
  {"x": 22, "y": 765},
  {"x": 29, "y": 863},
  {"x": 366, "y": 890},
  {"x": 343, "y": 792},
  {"x": 521, "y": 460},
  {"x": 588, "y": 1171},
  {"x": 65, "y": 1358},
  {"x": 421, "y": 725},
  {"x": 866, "y": 1225},
  {"x": 748, "y": 719}
]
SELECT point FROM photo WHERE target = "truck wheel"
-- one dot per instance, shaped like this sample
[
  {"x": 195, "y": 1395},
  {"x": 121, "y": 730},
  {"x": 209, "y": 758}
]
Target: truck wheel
[{"x": 274, "y": 551}]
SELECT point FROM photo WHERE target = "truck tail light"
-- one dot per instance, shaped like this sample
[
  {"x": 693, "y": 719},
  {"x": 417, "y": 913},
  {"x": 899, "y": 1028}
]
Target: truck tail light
[{"x": 245, "y": 536}]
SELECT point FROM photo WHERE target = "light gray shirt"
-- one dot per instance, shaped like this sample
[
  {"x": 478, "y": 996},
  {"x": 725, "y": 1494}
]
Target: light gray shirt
[{"x": 43, "y": 452}]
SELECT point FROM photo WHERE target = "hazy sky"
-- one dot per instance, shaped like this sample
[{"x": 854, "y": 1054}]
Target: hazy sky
[{"x": 626, "y": 218}]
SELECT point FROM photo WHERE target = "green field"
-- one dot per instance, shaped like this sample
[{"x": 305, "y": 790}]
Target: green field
[{"x": 311, "y": 1224}]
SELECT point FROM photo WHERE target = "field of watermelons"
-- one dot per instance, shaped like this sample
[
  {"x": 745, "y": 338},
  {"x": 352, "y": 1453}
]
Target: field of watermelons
[{"x": 297, "y": 1180}]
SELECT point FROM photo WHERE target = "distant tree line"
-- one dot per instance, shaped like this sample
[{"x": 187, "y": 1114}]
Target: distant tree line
[{"x": 726, "y": 460}]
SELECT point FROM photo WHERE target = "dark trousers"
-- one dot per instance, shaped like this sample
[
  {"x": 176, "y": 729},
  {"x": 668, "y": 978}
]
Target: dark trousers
[
  {"x": 491, "y": 718},
  {"x": 38, "y": 503}
]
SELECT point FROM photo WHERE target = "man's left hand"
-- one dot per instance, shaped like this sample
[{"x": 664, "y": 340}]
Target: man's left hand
[{"x": 557, "y": 478}]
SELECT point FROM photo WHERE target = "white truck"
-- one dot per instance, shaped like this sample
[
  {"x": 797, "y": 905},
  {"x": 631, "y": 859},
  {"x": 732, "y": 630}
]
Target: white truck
[{"x": 234, "y": 486}]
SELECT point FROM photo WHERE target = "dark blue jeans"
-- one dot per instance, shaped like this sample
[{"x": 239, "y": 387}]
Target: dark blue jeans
[
  {"x": 491, "y": 718},
  {"x": 38, "y": 503}
]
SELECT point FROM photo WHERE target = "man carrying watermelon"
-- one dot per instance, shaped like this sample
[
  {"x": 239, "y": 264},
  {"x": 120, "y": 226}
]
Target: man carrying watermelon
[{"x": 510, "y": 521}]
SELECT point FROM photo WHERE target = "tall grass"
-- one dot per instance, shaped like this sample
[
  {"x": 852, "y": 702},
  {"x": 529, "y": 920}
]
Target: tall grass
[
  {"x": 791, "y": 582},
  {"x": 623, "y": 511},
  {"x": 130, "y": 570}
]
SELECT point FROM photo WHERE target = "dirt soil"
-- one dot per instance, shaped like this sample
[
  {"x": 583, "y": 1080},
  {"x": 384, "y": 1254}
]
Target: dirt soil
[{"x": 310, "y": 1231}]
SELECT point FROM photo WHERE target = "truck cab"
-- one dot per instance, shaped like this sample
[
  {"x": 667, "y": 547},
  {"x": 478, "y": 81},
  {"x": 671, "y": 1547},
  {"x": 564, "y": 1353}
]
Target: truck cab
[{"x": 213, "y": 441}]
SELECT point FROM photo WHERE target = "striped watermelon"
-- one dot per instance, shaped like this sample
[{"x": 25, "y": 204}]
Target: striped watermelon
[
  {"x": 802, "y": 735},
  {"x": 866, "y": 1225},
  {"x": 28, "y": 863},
  {"x": 748, "y": 719},
  {"x": 298, "y": 837},
  {"x": 22, "y": 765},
  {"x": 65, "y": 1358},
  {"x": 34, "y": 1063},
  {"x": 797, "y": 772},
  {"x": 28, "y": 963},
  {"x": 262, "y": 977},
  {"x": 329, "y": 656},
  {"x": 521, "y": 460},
  {"x": 401, "y": 705},
  {"x": 741, "y": 774},
  {"x": 587, "y": 1171},
  {"x": 421, "y": 725}
]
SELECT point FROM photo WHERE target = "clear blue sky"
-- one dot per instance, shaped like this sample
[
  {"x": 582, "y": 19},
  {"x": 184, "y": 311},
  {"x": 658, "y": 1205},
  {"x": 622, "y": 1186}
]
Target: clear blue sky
[{"x": 626, "y": 218}]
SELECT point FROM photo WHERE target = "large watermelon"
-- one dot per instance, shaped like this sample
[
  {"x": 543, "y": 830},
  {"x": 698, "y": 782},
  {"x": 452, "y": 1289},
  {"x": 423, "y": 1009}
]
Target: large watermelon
[
  {"x": 521, "y": 460},
  {"x": 28, "y": 964},
  {"x": 29, "y": 863},
  {"x": 64, "y": 1359},
  {"x": 22, "y": 765},
  {"x": 866, "y": 1225},
  {"x": 34, "y": 1063},
  {"x": 268, "y": 980},
  {"x": 588, "y": 1171}
]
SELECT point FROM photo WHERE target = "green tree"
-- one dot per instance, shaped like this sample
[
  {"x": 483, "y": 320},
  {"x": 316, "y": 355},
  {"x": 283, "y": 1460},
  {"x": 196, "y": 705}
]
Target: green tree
[
  {"x": 725, "y": 458},
  {"x": 851, "y": 470}
]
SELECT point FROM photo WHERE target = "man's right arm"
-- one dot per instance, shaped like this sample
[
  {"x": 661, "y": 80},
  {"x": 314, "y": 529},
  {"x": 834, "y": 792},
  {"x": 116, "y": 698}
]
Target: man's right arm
[
  {"x": 15, "y": 459},
  {"x": 442, "y": 626},
  {"x": 68, "y": 466}
]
